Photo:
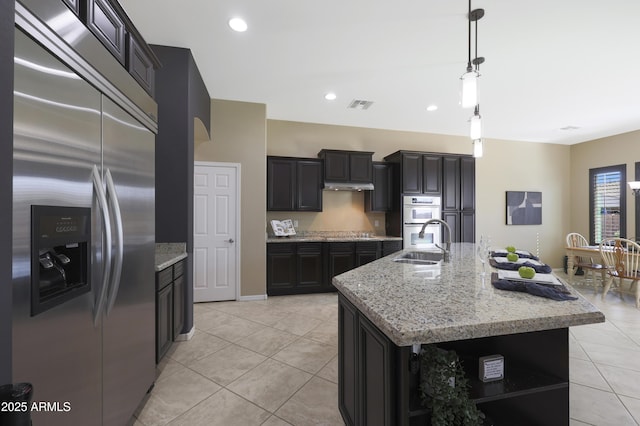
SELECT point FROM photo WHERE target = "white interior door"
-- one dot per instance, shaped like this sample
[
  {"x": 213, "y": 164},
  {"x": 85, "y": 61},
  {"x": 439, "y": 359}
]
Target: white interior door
[{"x": 216, "y": 232}]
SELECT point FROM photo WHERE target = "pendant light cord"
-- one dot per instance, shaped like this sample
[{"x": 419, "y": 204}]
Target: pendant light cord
[{"x": 469, "y": 33}]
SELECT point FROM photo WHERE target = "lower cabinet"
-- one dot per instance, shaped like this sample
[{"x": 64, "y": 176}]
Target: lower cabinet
[
  {"x": 295, "y": 268},
  {"x": 164, "y": 321},
  {"x": 309, "y": 267},
  {"x": 169, "y": 307},
  {"x": 342, "y": 258},
  {"x": 389, "y": 247},
  {"x": 377, "y": 386}
]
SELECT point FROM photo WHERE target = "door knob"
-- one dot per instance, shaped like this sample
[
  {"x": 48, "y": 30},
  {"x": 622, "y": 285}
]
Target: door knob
[{"x": 230, "y": 240}]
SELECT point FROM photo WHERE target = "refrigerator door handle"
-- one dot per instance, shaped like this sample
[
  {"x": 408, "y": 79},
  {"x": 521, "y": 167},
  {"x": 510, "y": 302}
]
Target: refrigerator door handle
[
  {"x": 106, "y": 258},
  {"x": 119, "y": 236}
]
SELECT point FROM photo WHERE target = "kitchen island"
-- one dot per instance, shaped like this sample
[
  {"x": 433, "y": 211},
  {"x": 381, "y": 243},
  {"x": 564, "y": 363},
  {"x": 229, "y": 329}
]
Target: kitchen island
[{"x": 388, "y": 309}]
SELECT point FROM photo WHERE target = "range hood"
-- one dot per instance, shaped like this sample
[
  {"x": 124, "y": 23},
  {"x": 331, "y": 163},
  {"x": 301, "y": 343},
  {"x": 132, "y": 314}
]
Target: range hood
[{"x": 348, "y": 186}]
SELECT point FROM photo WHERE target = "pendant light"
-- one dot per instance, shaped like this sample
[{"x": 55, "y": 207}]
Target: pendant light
[
  {"x": 475, "y": 127},
  {"x": 470, "y": 77},
  {"x": 477, "y": 148}
]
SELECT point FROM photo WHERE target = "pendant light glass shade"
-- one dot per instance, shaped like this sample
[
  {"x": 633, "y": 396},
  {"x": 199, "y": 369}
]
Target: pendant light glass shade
[
  {"x": 469, "y": 89},
  {"x": 475, "y": 128},
  {"x": 477, "y": 148}
]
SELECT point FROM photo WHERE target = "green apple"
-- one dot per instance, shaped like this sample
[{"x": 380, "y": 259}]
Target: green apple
[
  {"x": 512, "y": 257},
  {"x": 526, "y": 272},
  {"x": 511, "y": 249}
]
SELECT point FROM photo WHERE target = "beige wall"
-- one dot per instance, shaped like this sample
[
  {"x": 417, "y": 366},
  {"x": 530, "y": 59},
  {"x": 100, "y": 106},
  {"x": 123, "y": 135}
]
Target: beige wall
[
  {"x": 238, "y": 136},
  {"x": 614, "y": 150},
  {"x": 241, "y": 134},
  {"x": 506, "y": 166}
]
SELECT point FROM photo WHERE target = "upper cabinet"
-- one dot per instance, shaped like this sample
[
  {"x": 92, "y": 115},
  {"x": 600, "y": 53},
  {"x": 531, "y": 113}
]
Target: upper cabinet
[
  {"x": 380, "y": 199},
  {"x": 294, "y": 184},
  {"x": 347, "y": 166},
  {"x": 109, "y": 23},
  {"x": 420, "y": 173},
  {"x": 105, "y": 23}
]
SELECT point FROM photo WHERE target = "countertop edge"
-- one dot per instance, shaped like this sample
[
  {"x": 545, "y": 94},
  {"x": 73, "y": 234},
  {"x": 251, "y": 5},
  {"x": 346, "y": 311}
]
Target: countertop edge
[
  {"x": 168, "y": 260},
  {"x": 475, "y": 331}
]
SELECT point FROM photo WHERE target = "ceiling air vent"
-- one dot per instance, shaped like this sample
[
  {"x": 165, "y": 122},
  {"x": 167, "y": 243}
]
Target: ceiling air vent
[{"x": 360, "y": 104}]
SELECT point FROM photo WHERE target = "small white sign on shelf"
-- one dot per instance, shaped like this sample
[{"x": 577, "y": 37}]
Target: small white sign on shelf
[{"x": 490, "y": 368}]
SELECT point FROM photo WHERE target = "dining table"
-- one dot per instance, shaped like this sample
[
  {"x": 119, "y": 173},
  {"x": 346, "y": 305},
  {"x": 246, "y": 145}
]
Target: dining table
[{"x": 592, "y": 252}]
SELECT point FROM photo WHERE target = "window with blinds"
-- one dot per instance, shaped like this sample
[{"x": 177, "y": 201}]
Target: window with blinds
[{"x": 607, "y": 202}]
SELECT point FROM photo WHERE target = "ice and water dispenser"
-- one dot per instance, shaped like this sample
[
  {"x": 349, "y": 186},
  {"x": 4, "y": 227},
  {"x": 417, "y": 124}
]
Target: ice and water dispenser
[{"x": 60, "y": 255}]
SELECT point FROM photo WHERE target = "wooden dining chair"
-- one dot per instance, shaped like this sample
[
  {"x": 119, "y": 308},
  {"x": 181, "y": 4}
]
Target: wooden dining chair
[
  {"x": 587, "y": 264},
  {"x": 622, "y": 261}
]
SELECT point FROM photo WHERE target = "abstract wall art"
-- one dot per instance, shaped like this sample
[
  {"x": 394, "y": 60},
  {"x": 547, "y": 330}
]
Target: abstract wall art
[{"x": 524, "y": 208}]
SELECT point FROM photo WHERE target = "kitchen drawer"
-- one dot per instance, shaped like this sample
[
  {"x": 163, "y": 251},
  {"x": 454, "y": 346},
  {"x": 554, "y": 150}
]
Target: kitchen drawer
[
  {"x": 368, "y": 246},
  {"x": 164, "y": 277},
  {"x": 178, "y": 269},
  {"x": 342, "y": 247}
]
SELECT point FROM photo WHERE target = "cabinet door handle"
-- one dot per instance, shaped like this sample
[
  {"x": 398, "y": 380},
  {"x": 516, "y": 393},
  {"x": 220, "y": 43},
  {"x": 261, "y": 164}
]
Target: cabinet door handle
[{"x": 230, "y": 240}]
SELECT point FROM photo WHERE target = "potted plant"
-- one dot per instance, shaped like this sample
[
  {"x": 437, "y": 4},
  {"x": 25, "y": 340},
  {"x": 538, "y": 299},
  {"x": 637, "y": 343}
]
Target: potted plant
[{"x": 444, "y": 389}]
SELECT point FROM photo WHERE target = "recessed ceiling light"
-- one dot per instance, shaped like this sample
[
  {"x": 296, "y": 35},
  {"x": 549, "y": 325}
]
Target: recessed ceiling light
[
  {"x": 330, "y": 96},
  {"x": 238, "y": 24},
  {"x": 432, "y": 108}
]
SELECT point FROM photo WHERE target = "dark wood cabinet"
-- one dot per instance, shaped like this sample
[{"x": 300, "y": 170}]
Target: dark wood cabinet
[
  {"x": 411, "y": 173},
  {"x": 366, "y": 370},
  {"x": 458, "y": 196},
  {"x": 74, "y": 5},
  {"x": 467, "y": 183},
  {"x": 294, "y": 268},
  {"x": 376, "y": 358},
  {"x": 178, "y": 305},
  {"x": 360, "y": 167},
  {"x": 381, "y": 198},
  {"x": 164, "y": 312},
  {"x": 377, "y": 387},
  {"x": 389, "y": 247},
  {"x": 347, "y": 166},
  {"x": 309, "y": 185},
  {"x": 140, "y": 65},
  {"x": 281, "y": 183},
  {"x": 451, "y": 183},
  {"x": 431, "y": 174},
  {"x": 420, "y": 173},
  {"x": 309, "y": 267},
  {"x": 367, "y": 251},
  {"x": 105, "y": 23},
  {"x": 451, "y": 176},
  {"x": 347, "y": 360},
  {"x": 342, "y": 258},
  {"x": 281, "y": 268},
  {"x": 294, "y": 184},
  {"x": 169, "y": 306}
]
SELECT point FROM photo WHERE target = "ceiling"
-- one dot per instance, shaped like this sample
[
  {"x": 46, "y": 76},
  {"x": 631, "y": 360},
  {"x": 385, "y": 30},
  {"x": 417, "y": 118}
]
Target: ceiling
[{"x": 550, "y": 65}]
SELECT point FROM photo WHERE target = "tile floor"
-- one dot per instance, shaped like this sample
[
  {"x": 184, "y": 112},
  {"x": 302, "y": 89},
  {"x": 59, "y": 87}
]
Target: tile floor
[{"x": 274, "y": 362}]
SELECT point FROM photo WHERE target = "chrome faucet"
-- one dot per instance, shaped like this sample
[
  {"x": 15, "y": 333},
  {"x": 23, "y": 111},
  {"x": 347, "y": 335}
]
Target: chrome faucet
[{"x": 447, "y": 250}]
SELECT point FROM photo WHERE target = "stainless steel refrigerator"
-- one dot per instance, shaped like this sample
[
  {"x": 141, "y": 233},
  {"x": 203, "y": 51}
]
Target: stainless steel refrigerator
[{"x": 83, "y": 239}]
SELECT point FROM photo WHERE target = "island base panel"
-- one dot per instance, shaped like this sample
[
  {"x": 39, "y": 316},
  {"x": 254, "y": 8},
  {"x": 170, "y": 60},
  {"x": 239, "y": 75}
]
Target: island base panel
[{"x": 377, "y": 388}]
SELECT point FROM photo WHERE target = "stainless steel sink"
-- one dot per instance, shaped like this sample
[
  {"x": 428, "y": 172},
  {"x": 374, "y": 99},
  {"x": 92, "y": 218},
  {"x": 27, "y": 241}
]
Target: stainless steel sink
[{"x": 420, "y": 257}]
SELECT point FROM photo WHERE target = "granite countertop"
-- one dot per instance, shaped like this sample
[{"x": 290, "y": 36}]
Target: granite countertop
[
  {"x": 330, "y": 236},
  {"x": 169, "y": 253},
  {"x": 415, "y": 304}
]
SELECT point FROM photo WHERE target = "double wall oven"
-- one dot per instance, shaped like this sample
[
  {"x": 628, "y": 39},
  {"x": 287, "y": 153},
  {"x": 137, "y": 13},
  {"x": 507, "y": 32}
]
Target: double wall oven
[{"x": 416, "y": 211}]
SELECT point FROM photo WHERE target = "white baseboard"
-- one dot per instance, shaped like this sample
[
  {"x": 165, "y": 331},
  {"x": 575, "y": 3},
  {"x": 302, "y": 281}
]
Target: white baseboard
[
  {"x": 254, "y": 297},
  {"x": 186, "y": 336}
]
